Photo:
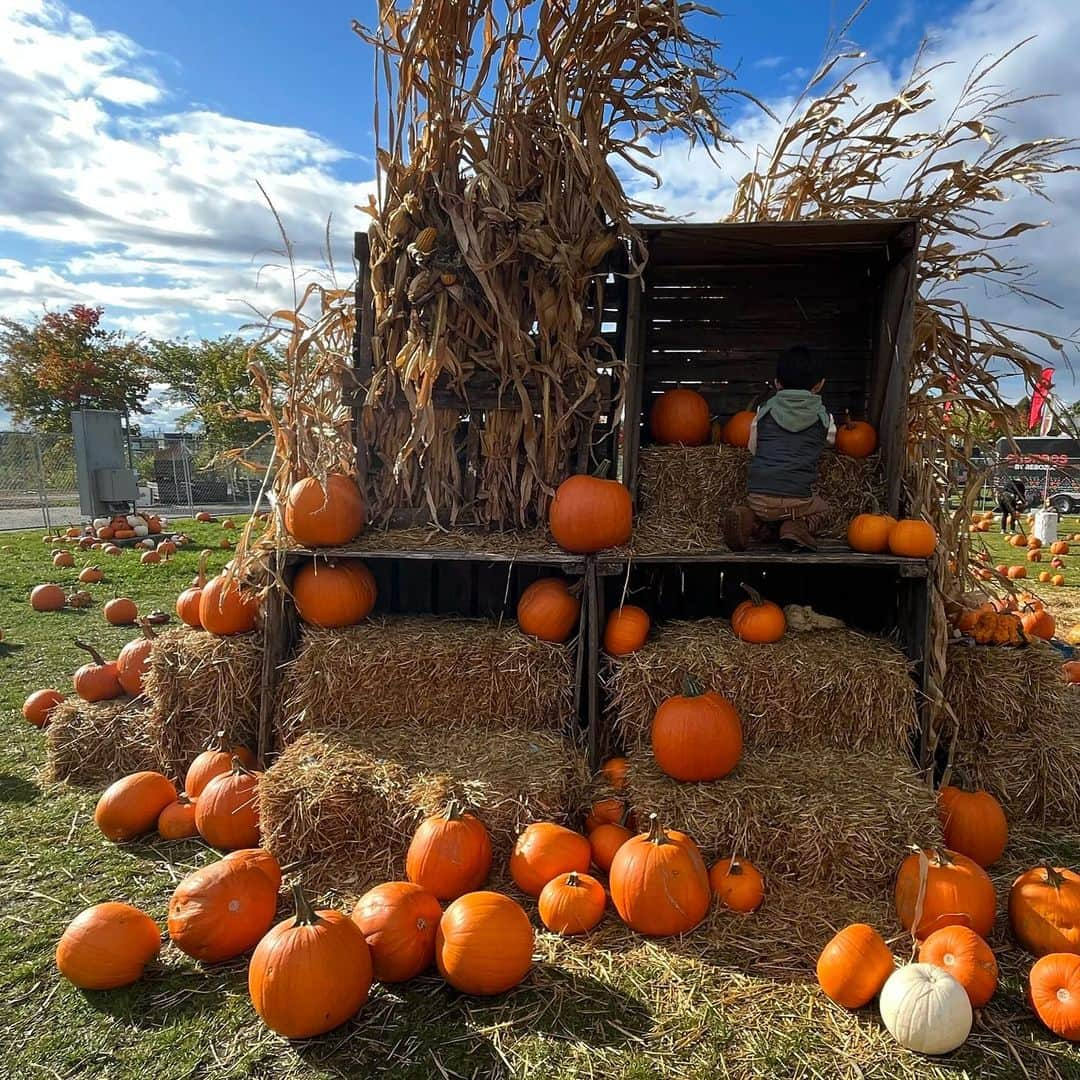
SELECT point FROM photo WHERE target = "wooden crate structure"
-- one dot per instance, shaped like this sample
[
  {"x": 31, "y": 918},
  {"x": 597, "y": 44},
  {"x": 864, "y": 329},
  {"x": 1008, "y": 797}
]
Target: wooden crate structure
[{"x": 719, "y": 303}]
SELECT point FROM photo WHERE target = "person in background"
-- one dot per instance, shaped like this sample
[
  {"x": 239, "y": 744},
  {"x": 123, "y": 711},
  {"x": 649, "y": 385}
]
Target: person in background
[
  {"x": 1011, "y": 502},
  {"x": 786, "y": 439}
]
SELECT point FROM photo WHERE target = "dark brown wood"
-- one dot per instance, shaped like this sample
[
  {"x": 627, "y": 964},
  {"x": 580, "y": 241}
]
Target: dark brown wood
[
  {"x": 563, "y": 560},
  {"x": 279, "y": 621},
  {"x": 909, "y": 568},
  {"x": 634, "y": 356},
  {"x": 454, "y": 588},
  {"x": 592, "y": 665},
  {"x": 415, "y": 590}
]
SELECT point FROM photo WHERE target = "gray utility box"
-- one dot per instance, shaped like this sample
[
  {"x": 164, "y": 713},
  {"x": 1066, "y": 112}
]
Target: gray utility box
[{"x": 106, "y": 485}]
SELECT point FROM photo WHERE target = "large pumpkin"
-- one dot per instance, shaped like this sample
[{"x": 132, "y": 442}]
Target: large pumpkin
[
  {"x": 227, "y": 812},
  {"x": 47, "y": 598},
  {"x": 548, "y": 609},
  {"x": 854, "y": 966},
  {"x": 681, "y": 416},
  {"x": 572, "y": 903},
  {"x": 222, "y": 910},
  {"x": 659, "y": 884},
  {"x": 974, "y": 824},
  {"x": 324, "y": 515},
  {"x": 1038, "y": 623},
  {"x": 925, "y": 1009},
  {"x": 134, "y": 659},
  {"x": 545, "y": 850},
  {"x": 106, "y": 946},
  {"x": 958, "y": 890},
  {"x": 737, "y": 429},
  {"x": 912, "y": 538},
  {"x": 131, "y": 806},
  {"x": 966, "y": 957},
  {"x": 450, "y": 853},
  {"x": 737, "y": 884},
  {"x": 758, "y": 620},
  {"x": 334, "y": 593},
  {"x": 1054, "y": 992},
  {"x": 225, "y": 608},
  {"x": 696, "y": 735},
  {"x": 626, "y": 630},
  {"x": 399, "y": 920},
  {"x": 310, "y": 973},
  {"x": 1044, "y": 910},
  {"x": 869, "y": 533},
  {"x": 98, "y": 680},
  {"x": 261, "y": 859},
  {"x": 856, "y": 438},
  {"x": 484, "y": 943},
  {"x": 187, "y": 603},
  {"x": 215, "y": 761},
  {"x": 589, "y": 514},
  {"x": 38, "y": 707}
]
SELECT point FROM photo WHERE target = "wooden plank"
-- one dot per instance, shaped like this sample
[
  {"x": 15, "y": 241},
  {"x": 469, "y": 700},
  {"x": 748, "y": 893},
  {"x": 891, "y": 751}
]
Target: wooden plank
[
  {"x": 592, "y": 666},
  {"x": 636, "y": 313},
  {"x": 841, "y": 368},
  {"x": 415, "y": 586},
  {"x": 844, "y": 336},
  {"x": 384, "y": 575},
  {"x": 812, "y": 274},
  {"x": 912, "y": 568},
  {"x": 570, "y": 563},
  {"x": 580, "y": 720},
  {"x": 279, "y": 631},
  {"x": 454, "y": 588}
]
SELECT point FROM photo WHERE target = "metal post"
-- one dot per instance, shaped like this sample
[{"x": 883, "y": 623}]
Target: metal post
[{"x": 187, "y": 478}]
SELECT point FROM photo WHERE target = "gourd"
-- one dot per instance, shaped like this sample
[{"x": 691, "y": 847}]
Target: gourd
[{"x": 925, "y": 1009}]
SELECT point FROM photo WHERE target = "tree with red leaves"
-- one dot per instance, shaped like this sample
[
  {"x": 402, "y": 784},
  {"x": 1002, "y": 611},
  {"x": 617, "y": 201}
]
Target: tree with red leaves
[{"x": 67, "y": 361}]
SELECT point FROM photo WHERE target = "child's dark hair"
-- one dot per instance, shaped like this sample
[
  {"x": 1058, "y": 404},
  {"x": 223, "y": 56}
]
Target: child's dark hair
[{"x": 798, "y": 369}]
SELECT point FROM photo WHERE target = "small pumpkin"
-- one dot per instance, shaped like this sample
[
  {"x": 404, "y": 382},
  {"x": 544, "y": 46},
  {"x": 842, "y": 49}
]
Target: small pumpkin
[
  {"x": 1044, "y": 910},
  {"x": 187, "y": 603},
  {"x": 1070, "y": 670},
  {"x": 121, "y": 611},
  {"x": 326, "y": 514},
  {"x": 1015, "y": 573},
  {"x": 737, "y": 429},
  {"x": 333, "y": 594},
  {"x": 604, "y": 841},
  {"x": 680, "y": 416},
  {"x": 957, "y": 889},
  {"x": 758, "y": 620},
  {"x": 696, "y": 735},
  {"x": 1034, "y": 556},
  {"x": 227, "y": 811},
  {"x": 1018, "y": 541},
  {"x": 47, "y": 598},
  {"x": 204, "y": 516},
  {"x": 606, "y": 811},
  {"x": 590, "y": 513},
  {"x": 854, "y": 966},
  {"x": 1054, "y": 993},
  {"x": 549, "y": 610},
  {"x": 869, "y": 533},
  {"x": 1033, "y": 543},
  {"x": 658, "y": 881},
  {"x": 545, "y": 850},
  {"x": 215, "y": 761},
  {"x": 572, "y": 903},
  {"x": 626, "y": 630},
  {"x": 90, "y": 575},
  {"x": 1059, "y": 547},
  {"x": 63, "y": 559},
  {"x": 38, "y": 707},
  {"x": 856, "y": 438},
  {"x": 484, "y": 943},
  {"x": 310, "y": 973},
  {"x": 925, "y": 1009},
  {"x": 450, "y": 853},
  {"x": 399, "y": 921},
  {"x": 107, "y": 946},
  {"x": 737, "y": 884},
  {"x": 177, "y": 820},
  {"x": 1057, "y": 580},
  {"x": 98, "y": 680},
  {"x": 225, "y": 608},
  {"x": 130, "y": 806},
  {"x": 974, "y": 824},
  {"x": 1038, "y": 622},
  {"x": 133, "y": 661},
  {"x": 913, "y": 539},
  {"x": 966, "y": 957},
  {"x": 614, "y": 772}
]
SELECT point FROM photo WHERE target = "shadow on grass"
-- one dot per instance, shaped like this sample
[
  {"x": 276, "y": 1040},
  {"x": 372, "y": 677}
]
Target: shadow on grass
[
  {"x": 7, "y": 648},
  {"x": 15, "y": 789}
]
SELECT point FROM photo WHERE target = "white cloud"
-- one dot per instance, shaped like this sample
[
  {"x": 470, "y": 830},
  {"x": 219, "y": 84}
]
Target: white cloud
[{"x": 768, "y": 62}]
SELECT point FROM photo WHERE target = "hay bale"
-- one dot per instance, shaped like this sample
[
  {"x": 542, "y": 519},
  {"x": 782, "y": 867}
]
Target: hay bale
[
  {"x": 200, "y": 684},
  {"x": 684, "y": 490},
  {"x": 95, "y": 743},
  {"x": 345, "y": 805},
  {"x": 841, "y": 818},
  {"x": 1019, "y": 728},
  {"x": 835, "y": 688},
  {"x": 443, "y": 671}
]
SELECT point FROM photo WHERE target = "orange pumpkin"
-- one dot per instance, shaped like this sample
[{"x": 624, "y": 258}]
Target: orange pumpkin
[
  {"x": 130, "y": 807},
  {"x": 133, "y": 661},
  {"x": 614, "y": 772},
  {"x": 1054, "y": 993},
  {"x": 605, "y": 841},
  {"x": 856, "y": 439},
  {"x": 1034, "y": 556},
  {"x": 758, "y": 620},
  {"x": 1059, "y": 547},
  {"x": 696, "y": 735},
  {"x": 680, "y": 416},
  {"x": 215, "y": 761},
  {"x": 334, "y": 594},
  {"x": 222, "y": 910},
  {"x": 974, "y": 824},
  {"x": 225, "y": 608},
  {"x": 261, "y": 859},
  {"x": 1018, "y": 541},
  {"x": 63, "y": 559},
  {"x": 1014, "y": 573},
  {"x": 107, "y": 946},
  {"x": 545, "y": 850},
  {"x": 324, "y": 514},
  {"x": 606, "y": 811},
  {"x": 966, "y": 957},
  {"x": 659, "y": 884},
  {"x": 958, "y": 891},
  {"x": 572, "y": 903},
  {"x": 310, "y": 973},
  {"x": 1044, "y": 910},
  {"x": 1070, "y": 670},
  {"x": 549, "y": 610},
  {"x": 1034, "y": 543},
  {"x": 869, "y": 533},
  {"x": 1058, "y": 580},
  {"x": 47, "y": 598},
  {"x": 121, "y": 612},
  {"x": 913, "y": 539},
  {"x": 177, "y": 820},
  {"x": 854, "y": 966},
  {"x": 484, "y": 944},
  {"x": 98, "y": 680},
  {"x": 38, "y": 707},
  {"x": 187, "y": 603},
  {"x": 450, "y": 853},
  {"x": 1038, "y": 622},
  {"x": 589, "y": 514},
  {"x": 737, "y": 429},
  {"x": 737, "y": 884},
  {"x": 227, "y": 811},
  {"x": 399, "y": 921},
  {"x": 626, "y": 630},
  {"x": 90, "y": 575}
]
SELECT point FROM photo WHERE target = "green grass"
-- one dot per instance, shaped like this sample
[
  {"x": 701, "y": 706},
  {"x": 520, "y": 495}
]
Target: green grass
[
  {"x": 615, "y": 1006},
  {"x": 1002, "y": 553}
]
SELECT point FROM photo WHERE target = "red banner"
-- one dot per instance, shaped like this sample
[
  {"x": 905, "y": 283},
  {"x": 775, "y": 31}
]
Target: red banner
[{"x": 1039, "y": 398}]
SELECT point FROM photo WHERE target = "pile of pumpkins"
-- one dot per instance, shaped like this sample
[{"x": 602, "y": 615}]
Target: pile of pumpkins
[
  {"x": 1010, "y": 621},
  {"x": 102, "y": 532},
  {"x": 875, "y": 534},
  {"x": 945, "y": 898}
]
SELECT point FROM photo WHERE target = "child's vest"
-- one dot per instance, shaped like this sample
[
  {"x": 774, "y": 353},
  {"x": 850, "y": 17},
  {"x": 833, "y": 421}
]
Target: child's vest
[{"x": 786, "y": 462}]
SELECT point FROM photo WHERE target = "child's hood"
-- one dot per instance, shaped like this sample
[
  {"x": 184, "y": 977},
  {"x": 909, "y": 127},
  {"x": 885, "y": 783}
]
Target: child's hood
[{"x": 795, "y": 410}]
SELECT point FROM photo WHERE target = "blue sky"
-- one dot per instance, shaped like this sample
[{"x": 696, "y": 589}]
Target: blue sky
[{"x": 133, "y": 135}]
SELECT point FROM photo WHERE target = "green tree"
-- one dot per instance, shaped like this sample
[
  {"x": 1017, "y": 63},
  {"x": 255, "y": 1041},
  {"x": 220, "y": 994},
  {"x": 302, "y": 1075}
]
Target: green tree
[
  {"x": 67, "y": 361},
  {"x": 211, "y": 379}
]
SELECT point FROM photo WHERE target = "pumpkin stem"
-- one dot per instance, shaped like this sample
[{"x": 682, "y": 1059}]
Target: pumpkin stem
[
  {"x": 656, "y": 831},
  {"x": 454, "y": 810},
  {"x": 572, "y": 879},
  {"x": 691, "y": 687},
  {"x": 1053, "y": 878},
  {"x": 942, "y": 857},
  {"x": 201, "y": 573},
  {"x": 734, "y": 867},
  {"x": 306, "y": 915},
  {"x": 601, "y": 470},
  {"x": 147, "y": 629},
  {"x": 755, "y": 597},
  {"x": 238, "y": 768},
  {"x": 217, "y": 741},
  {"x": 94, "y": 654}
]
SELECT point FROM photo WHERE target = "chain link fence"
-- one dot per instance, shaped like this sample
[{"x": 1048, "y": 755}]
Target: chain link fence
[{"x": 177, "y": 476}]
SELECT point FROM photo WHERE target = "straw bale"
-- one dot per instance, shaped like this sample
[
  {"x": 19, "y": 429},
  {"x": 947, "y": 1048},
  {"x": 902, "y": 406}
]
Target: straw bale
[
  {"x": 345, "y": 805},
  {"x": 841, "y": 819},
  {"x": 441, "y": 670},
  {"x": 95, "y": 743},
  {"x": 823, "y": 688},
  {"x": 684, "y": 490},
  {"x": 200, "y": 684}
]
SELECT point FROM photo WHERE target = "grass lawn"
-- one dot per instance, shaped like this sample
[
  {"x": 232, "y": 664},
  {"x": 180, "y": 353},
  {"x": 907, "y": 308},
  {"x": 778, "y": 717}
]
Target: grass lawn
[{"x": 614, "y": 1006}]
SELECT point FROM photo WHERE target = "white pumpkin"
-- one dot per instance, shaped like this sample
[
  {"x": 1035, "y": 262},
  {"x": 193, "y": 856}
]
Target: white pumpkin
[
  {"x": 147, "y": 544},
  {"x": 101, "y": 523},
  {"x": 141, "y": 529},
  {"x": 133, "y": 520},
  {"x": 925, "y": 1009}
]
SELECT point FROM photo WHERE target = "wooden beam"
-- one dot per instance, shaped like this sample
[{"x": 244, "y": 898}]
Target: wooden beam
[{"x": 634, "y": 358}]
